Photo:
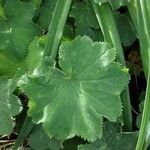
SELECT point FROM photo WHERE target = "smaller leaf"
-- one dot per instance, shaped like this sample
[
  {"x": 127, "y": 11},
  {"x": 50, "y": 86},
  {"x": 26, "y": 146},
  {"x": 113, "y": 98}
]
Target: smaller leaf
[
  {"x": 17, "y": 29},
  {"x": 94, "y": 34},
  {"x": 9, "y": 105},
  {"x": 34, "y": 56},
  {"x": 9, "y": 65},
  {"x": 38, "y": 140},
  {"x": 112, "y": 140},
  {"x": 68, "y": 34},
  {"x": 126, "y": 28},
  {"x": 45, "y": 13},
  {"x": 84, "y": 14}
]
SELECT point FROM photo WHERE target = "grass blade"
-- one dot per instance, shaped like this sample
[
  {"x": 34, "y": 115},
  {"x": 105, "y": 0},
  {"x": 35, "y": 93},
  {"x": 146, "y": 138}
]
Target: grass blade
[
  {"x": 143, "y": 17},
  {"x": 143, "y": 33},
  {"x": 107, "y": 23},
  {"x": 143, "y": 136},
  {"x": 56, "y": 27}
]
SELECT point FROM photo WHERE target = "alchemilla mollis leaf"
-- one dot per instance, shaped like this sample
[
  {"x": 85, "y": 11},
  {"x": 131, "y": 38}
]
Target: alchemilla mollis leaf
[
  {"x": 74, "y": 100},
  {"x": 38, "y": 140},
  {"x": 112, "y": 140},
  {"x": 9, "y": 105},
  {"x": 45, "y": 13},
  {"x": 82, "y": 11},
  {"x": 17, "y": 29}
]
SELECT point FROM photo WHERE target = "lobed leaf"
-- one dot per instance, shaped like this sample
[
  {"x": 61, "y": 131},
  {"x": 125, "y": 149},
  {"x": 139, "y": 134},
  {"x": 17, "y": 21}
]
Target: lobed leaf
[
  {"x": 17, "y": 29},
  {"x": 113, "y": 140},
  {"x": 38, "y": 140},
  {"x": 10, "y": 66},
  {"x": 35, "y": 55},
  {"x": 94, "y": 34},
  {"x": 74, "y": 100},
  {"x": 45, "y": 13},
  {"x": 82, "y": 11},
  {"x": 9, "y": 105},
  {"x": 126, "y": 29}
]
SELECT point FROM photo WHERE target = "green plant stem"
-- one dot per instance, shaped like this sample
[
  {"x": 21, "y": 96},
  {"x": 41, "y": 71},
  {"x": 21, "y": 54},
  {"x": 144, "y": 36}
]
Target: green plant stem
[
  {"x": 54, "y": 35},
  {"x": 108, "y": 26},
  {"x": 143, "y": 21},
  {"x": 141, "y": 144},
  {"x": 1, "y": 11},
  {"x": 132, "y": 11},
  {"x": 56, "y": 27}
]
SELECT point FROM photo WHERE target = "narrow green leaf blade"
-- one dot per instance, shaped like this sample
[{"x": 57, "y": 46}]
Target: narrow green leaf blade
[{"x": 1, "y": 11}]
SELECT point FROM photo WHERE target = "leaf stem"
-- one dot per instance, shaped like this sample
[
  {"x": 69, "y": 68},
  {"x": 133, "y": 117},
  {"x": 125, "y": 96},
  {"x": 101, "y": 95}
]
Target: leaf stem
[
  {"x": 54, "y": 35},
  {"x": 143, "y": 25},
  {"x": 144, "y": 38},
  {"x": 108, "y": 26},
  {"x": 132, "y": 11},
  {"x": 56, "y": 27},
  {"x": 145, "y": 119}
]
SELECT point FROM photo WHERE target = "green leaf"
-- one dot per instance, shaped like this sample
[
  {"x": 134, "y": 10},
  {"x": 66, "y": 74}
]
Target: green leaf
[
  {"x": 17, "y": 30},
  {"x": 68, "y": 34},
  {"x": 74, "y": 100},
  {"x": 2, "y": 2},
  {"x": 126, "y": 28},
  {"x": 9, "y": 65},
  {"x": 94, "y": 34},
  {"x": 45, "y": 13},
  {"x": 82, "y": 11},
  {"x": 113, "y": 140},
  {"x": 37, "y": 3},
  {"x": 116, "y": 4},
  {"x": 35, "y": 55},
  {"x": 38, "y": 140},
  {"x": 9, "y": 105}
]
